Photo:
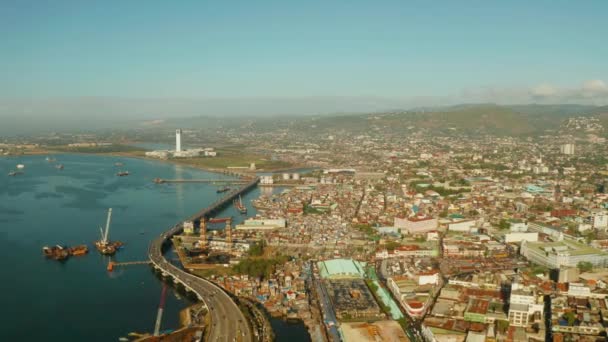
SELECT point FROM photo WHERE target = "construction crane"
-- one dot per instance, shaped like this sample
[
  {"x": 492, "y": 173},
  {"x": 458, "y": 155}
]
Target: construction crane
[
  {"x": 104, "y": 246},
  {"x": 227, "y": 230},
  {"x": 104, "y": 236},
  {"x": 161, "y": 307}
]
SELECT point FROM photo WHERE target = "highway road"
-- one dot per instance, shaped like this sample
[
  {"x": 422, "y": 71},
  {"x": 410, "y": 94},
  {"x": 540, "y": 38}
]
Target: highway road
[{"x": 227, "y": 321}]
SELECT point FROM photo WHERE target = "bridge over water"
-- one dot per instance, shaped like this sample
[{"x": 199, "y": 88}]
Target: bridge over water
[{"x": 227, "y": 321}]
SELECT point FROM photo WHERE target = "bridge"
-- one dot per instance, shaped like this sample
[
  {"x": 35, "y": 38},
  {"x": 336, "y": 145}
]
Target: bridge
[
  {"x": 213, "y": 181},
  {"x": 222, "y": 202},
  {"x": 227, "y": 321}
]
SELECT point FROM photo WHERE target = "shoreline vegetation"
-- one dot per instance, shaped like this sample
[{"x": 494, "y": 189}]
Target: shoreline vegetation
[{"x": 227, "y": 157}]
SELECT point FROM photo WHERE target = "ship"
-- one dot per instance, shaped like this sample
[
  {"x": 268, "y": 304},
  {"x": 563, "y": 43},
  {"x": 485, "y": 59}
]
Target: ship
[
  {"x": 223, "y": 189},
  {"x": 56, "y": 252},
  {"x": 78, "y": 250},
  {"x": 59, "y": 166},
  {"x": 20, "y": 166},
  {"x": 240, "y": 206},
  {"x": 103, "y": 245},
  {"x": 122, "y": 173}
]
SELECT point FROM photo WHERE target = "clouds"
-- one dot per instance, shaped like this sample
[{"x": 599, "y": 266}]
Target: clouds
[
  {"x": 593, "y": 92},
  {"x": 589, "y": 92},
  {"x": 543, "y": 90}
]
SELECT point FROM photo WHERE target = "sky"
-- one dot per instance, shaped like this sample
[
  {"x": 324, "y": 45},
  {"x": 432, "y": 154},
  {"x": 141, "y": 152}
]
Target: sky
[{"x": 351, "y": 54}]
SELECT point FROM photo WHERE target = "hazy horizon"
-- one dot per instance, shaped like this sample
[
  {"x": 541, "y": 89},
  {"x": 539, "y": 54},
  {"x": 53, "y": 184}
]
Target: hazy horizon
[{"x": 99, "y": 62}]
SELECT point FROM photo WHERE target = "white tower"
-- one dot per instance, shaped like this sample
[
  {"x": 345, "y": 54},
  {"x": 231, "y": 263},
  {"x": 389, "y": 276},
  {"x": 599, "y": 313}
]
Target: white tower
[{"x": 178, "y": 140}]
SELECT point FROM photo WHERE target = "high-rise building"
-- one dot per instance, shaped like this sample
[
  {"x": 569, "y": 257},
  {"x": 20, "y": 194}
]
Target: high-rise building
[
  {"x": 178, "y": 140},
  {"x": 567, "y": 149}
]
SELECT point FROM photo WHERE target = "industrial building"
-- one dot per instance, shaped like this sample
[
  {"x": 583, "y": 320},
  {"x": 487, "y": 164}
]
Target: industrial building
[
  {"x": 340, "y": 268},
  {"x": 563, "y": 253}
]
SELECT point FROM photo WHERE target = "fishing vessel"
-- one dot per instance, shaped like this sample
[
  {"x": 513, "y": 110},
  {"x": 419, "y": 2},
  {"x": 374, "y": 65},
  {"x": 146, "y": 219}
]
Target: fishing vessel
[
  {"x": 103, "y": 245},
  {"x": 122, "y": 173},
  {"x": 240, "y": 206}
]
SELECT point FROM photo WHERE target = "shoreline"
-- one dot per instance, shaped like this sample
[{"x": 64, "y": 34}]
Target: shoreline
[{"x": 169, "y": 161}]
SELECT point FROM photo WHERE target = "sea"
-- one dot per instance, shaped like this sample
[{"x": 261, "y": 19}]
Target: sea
[{"x": 78, "y": 299}]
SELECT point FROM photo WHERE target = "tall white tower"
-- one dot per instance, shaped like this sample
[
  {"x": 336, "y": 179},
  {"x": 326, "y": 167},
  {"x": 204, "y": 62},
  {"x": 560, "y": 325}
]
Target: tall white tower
[{"x": 178, "y": 140}]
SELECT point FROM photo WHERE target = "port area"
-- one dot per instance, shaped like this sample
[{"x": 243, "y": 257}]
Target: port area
[
  {"x": 193, "y": 322},
  {"x": 205, "y": 261}
]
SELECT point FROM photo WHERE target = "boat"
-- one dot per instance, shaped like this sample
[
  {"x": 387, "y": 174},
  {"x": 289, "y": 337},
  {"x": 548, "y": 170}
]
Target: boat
[
  {"x": 20, "y": 166},
  {"x": 56, "y": 252},
  {"x": 78, "y": 250},
  {"x": 222, "y": 189},
  {"x": 59, "y": 166},
  {"x": 122, "y": 173},
  {"x": 12, "y": 173},
  {"x": 103, "y": 245},
  {"x": 240, "y": 206},
  {"x": 51, "y": 160}
]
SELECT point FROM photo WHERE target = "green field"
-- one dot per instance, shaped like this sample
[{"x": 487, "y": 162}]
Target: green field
[{"x": 233, "y": 157}]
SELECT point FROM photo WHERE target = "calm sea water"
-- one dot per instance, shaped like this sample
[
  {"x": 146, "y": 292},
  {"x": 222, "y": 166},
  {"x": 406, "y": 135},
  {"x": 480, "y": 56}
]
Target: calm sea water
[{"x": 78, "y": 300}]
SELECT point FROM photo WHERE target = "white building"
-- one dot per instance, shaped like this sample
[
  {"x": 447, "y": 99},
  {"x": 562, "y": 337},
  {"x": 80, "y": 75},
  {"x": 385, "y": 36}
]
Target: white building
[
  {"x": 466, "y": 226},
  {"x": 600, "y": 221},
  {"x": 261, "y": 224},
  {"x": 521, "y": 236},
  {"x": 567, "y": 149},
  {"x": 266, "y": 180},
  {"x": 416, "y": 225},
  {"x": 563, "y": 253},
  {"x": 523, "y": 306}
]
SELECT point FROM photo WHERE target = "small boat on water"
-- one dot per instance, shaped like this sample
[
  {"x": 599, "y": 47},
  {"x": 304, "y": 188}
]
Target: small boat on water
[
  {"x": 59, "y": 166},
  {"x": 51, "y": 160},
  {"x": 15, "y": 173},
  {"x": 223, "y": 189},
  {"x": 240, "y": 206},
  {"x": 122, "y": 173},
  {"x": 20, "y": 166}
]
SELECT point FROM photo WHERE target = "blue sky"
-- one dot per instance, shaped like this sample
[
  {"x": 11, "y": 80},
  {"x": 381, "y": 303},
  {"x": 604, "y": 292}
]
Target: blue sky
[{"x": 456, "y": 50}]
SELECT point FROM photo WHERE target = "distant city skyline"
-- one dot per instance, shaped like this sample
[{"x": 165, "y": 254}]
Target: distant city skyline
[{"x": 317, "y": 57}]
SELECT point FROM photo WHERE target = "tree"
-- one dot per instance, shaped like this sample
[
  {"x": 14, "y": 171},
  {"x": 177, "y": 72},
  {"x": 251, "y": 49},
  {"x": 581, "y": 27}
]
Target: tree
[
  {"x": 504, "y": 224},
  {"x": 570, "y": 317},
  {"x": 585, "y": 266}
]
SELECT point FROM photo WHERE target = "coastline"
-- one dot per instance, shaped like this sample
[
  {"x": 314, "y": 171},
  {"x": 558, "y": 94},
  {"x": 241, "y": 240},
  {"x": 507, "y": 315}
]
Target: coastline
[{"x": 169, "y": 161}]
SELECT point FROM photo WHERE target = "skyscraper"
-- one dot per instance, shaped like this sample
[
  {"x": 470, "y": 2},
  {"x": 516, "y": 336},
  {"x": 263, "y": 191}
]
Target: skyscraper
[{"x": 178, "y": 140}]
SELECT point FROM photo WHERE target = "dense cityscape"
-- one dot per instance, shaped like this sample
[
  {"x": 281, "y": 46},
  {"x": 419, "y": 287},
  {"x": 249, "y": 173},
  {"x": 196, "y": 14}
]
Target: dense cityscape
[
  {"x": 382, "y": 237},
  {"x": 325, "y": 171}
]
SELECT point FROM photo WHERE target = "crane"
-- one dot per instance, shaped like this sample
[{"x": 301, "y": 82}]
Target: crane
[{"x": 104, "y": 236}]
